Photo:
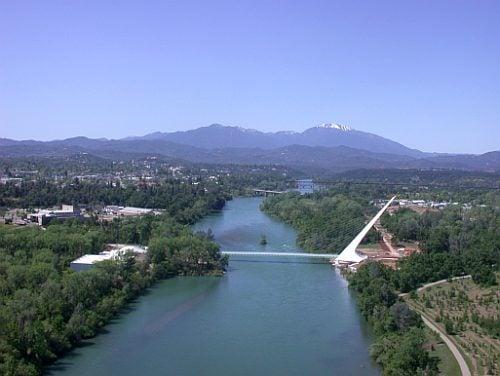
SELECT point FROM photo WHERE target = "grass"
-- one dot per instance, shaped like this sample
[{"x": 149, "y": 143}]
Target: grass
[
  {"x": 437, "y": 348},
  {"x": 457, "y": 302}
]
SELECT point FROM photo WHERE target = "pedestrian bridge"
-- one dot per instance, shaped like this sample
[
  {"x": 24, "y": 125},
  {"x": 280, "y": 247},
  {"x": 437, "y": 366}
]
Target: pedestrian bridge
[
  {"x": 280, "y": 254},
  {"x": 348, "y": 256}
]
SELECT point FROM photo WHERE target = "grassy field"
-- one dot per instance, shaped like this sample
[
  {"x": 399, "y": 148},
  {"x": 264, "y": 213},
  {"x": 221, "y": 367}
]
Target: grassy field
[
  {"x": 470, "y": 315},
  {"x": 448, "y": 365}
]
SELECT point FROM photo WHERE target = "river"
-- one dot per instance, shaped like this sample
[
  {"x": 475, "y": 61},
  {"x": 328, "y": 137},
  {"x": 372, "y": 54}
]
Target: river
[{"x": 264, "y": 317}]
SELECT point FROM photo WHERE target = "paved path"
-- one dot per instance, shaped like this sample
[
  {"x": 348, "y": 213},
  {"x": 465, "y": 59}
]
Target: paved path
[
  {"x": 464, "y": 367},
  {"x": 427, "y": 285}
]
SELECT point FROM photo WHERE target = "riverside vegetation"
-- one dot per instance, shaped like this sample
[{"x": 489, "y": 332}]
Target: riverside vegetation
[
  {"x": 325, "y": 223},
  {"x": 455, "y": 241},
  {"x": 46, "y": 308}
]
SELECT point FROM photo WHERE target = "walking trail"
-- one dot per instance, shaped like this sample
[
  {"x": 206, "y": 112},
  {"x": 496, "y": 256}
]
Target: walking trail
[{"x": 464, "y": 367}]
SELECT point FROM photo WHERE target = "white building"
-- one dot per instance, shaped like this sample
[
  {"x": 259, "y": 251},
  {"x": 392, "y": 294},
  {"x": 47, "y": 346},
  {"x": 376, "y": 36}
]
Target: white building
[
  {"x": 114, "y": 251},
  {"x": 129, "y": 211}
]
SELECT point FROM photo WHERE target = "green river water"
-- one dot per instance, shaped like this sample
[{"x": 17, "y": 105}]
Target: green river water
[{"x": 266, "y": 316}]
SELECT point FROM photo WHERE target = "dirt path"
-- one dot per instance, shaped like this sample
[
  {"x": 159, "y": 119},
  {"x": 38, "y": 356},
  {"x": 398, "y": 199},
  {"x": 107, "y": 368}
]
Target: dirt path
[{"x": 387, "y": 239}]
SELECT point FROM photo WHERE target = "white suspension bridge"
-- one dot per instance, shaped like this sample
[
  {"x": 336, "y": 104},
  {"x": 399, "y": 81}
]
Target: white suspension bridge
[
  {"x": 348, "y": 256},
  {"x": 280, "y": 254}
]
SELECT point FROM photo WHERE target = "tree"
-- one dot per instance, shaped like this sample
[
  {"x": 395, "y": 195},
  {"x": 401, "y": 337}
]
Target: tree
[{"x": 404, "y": 318}]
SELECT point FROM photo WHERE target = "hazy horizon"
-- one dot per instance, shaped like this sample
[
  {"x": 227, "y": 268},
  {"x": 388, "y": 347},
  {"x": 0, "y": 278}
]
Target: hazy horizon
[{"x": 426, "y": 75}]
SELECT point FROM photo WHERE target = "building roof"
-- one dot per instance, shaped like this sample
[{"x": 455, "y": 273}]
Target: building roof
[
  {"x": 90, "y": 259},
  {"x": 122, "y": 248},
  {"x": 131, "y": 209},
  {"x": 115, "y": 251}
]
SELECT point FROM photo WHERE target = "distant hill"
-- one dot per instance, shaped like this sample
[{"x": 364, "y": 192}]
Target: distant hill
[
  {"x": 483, "y": 162},
  {"x": 326, "y": 148},
  {"x": 339, "y": 158}
]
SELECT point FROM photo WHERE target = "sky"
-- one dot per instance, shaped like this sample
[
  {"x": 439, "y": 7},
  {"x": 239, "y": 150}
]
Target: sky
[{"x": 423, "y": 73}]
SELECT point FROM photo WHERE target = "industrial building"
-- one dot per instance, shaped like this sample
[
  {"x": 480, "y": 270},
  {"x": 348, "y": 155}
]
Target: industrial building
[
  {"x": 113, "y": 252},
  {"x": 128, "y": 211},
  {"x": 43, "y": 216}
]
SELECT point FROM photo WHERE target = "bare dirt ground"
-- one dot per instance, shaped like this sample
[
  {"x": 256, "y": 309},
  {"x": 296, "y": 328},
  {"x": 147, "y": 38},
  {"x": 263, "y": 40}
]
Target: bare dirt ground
[{"x": 387, "y": 251}]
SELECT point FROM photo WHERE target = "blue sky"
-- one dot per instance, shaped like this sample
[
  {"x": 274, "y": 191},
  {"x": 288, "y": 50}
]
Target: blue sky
[{"x": 424, "y": 73}]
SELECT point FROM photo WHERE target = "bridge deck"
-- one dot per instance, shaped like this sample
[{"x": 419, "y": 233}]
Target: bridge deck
[{"x": 280, "y": 254}]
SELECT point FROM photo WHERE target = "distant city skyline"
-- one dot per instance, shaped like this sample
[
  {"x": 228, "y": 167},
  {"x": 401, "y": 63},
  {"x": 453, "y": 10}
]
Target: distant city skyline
[{"x": 426, "y": 75}]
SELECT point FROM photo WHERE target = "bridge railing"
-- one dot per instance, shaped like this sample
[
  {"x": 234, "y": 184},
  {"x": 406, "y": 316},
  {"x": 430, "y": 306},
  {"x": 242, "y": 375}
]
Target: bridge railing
[{"x": 280, "y": 254}]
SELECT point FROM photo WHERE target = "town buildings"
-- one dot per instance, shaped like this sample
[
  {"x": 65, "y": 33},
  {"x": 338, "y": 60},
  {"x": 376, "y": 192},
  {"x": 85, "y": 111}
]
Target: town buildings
[{"x": 44, "y": 216}]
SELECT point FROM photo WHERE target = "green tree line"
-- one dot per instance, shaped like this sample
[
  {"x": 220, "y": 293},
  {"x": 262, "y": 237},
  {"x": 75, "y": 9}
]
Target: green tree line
[
  {"x": 399, "y": 334},
  {"x": 325, "y": 222},
  {"x": 46, "y": 308},
  {"x": 455, "y": 241},
  {"x": 185, "y": 201}
]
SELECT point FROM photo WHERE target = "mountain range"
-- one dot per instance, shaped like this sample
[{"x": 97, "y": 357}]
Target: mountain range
[
  {"x": 326, "y": 148},
  {"x": 218, "y": 136}
]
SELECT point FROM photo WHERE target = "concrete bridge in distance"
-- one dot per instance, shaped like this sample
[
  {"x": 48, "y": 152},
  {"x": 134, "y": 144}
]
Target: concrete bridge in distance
[
  {"x": 266, "y": 192},
  {"x": 328, "y": 256}
]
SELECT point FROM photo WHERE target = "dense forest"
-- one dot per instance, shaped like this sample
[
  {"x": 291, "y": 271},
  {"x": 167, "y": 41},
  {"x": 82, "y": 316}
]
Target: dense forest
[
  {"x": 325, "y": 222},
  {"x": 456, "y": 241},
  {"x": 399, "y": 334},
  {"x": 46, "y": 308}
]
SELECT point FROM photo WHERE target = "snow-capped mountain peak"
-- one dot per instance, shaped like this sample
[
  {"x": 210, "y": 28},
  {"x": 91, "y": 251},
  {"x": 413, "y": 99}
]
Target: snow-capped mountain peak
[
  {"x": 247, "y": 130},
  {"x": 340, "y": 127}
]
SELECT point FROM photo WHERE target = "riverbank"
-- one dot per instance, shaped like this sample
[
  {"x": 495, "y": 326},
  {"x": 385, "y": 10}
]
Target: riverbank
[
  {"x": 46, "y": 309},
  {"x": 324, "y": 224},
  {"x": 400, "y": 340},
  {"x": 256, "y": 319}
]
